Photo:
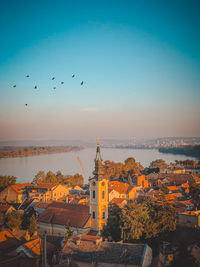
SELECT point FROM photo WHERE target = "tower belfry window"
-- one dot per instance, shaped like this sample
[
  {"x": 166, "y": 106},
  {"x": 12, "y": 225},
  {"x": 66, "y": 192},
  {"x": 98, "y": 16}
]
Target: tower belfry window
[
  {"x": 103, "y": 194},
  {"x": 93, "y": 194}
]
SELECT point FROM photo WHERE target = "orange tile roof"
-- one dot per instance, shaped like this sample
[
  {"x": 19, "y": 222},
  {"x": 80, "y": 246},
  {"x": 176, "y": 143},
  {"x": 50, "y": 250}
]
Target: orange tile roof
[
  {"x": 172, "y": 188},
  {"x": 5, "y": 207},
  {"x": 122, "y": 188},
  {"x": 35, "y": 246},
  {"x": 185, "y": 185},
  {"x": 173, "y": 196},
  {"x": 18, "y": 187}
]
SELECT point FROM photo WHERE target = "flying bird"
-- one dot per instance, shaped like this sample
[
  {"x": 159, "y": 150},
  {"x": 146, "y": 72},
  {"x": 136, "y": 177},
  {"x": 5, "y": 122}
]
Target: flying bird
[
  {"x": 35, "y": 87},
  {"x": 62, "y": 82},
  {"x": 26, "y": 104},
  {"x": 54, "y": 88},
  {"x": 73, "y": 76},
  {"x": 27, "y": 76},
  {"x": 14, "y": 85},
  {"x": 53, "y": 78},
  {"x": 82, "y": 83}
]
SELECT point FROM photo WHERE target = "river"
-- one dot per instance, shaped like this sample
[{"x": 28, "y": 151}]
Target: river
[{"x": 25, "y": 168}]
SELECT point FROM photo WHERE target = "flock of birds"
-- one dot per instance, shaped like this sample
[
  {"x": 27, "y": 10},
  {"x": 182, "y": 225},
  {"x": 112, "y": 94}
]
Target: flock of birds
[{"x": 53, "y": 78}]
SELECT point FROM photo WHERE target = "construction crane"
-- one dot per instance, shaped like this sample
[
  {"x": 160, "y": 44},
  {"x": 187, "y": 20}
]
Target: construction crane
[{"x": 79, "y": 160}]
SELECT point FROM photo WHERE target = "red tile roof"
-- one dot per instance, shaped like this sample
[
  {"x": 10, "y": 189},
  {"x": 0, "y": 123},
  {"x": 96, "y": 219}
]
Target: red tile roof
[
  {"x": 46, "y": 186},
  {"x": 61, "y": 213},
  {"x": 18, "y": 187}
]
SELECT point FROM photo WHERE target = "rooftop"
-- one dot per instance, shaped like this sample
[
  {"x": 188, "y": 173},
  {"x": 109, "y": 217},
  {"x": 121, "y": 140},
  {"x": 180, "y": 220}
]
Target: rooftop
[{"x": 61, "y": 213}]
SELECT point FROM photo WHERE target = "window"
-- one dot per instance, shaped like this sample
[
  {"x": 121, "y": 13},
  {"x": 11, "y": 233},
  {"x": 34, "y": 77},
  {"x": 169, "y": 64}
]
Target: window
[
  {"x": 93, "y": 183},
  {"x": 103, "y": 184},
  {"x": 93, "y": 215},
  {"x": 103, "y": 215},
  {"x": 93, "y": 194},
  {"x": 103, "y": 194}
]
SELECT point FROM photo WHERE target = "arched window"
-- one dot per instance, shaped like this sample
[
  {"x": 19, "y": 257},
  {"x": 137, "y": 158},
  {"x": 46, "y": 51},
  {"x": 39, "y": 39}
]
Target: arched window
[
  {"x": 93, "y": 215},
  {"x": 93, "y": 183},
  {"x": 103, "y": 184},
  {"x": 103, "y": 215},
  {"x": 103, "y": 194},
  {"x": 93, "y": 194}
]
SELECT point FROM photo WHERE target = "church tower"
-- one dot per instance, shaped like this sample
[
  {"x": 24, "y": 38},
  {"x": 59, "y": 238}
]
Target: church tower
[{"x": 98, "y": 193}]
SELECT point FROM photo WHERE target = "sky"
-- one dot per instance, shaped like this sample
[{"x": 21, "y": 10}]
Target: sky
[{"x": 139, "y": 60}]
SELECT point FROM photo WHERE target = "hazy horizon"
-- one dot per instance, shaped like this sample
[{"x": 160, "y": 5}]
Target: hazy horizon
[{"x": 139, "y": 60}]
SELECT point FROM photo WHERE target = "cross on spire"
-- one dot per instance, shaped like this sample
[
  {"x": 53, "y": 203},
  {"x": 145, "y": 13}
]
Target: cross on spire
[{"x": 97, "y": 140}]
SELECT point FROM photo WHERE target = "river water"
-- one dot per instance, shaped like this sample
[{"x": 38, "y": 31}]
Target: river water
[{"x": 25, "y": 168}]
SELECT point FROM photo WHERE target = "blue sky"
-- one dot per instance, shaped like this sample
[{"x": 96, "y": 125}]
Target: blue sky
[{"x": 139, "y": 60}]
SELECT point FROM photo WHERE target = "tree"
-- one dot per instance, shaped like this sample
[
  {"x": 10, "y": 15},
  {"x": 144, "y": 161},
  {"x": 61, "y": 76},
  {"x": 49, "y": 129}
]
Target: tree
[
  {"x": 112, "y": 228},
  {"x": 7, "y": 180},
  {"x": 134, "y": 220},
  {"x": 51, "y": 178},
  {"x": 147, "y": 219},
  {"x": 195, "y": 194},
  {"x": 131, "y": 166},
  {"x": 77, "y": 179},
  {"x": 158, "y": 163},
  {"x": 69, "y": 231},
  {"x": 39, "y": 178},
  {"x": 32, "y": 224},
  {"x": 13, "y": 221}
]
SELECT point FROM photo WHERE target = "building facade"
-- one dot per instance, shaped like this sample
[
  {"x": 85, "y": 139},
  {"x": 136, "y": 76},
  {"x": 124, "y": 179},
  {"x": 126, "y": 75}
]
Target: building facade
[{"x": 98, "y": 194}]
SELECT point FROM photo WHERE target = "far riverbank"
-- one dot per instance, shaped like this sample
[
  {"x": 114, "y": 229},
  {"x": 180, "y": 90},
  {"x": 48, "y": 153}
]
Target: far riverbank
[{"x": 25, "y": 168}]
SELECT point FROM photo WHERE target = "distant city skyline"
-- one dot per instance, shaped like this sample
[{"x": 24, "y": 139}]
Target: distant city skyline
[{"x": 139, "y": 61}]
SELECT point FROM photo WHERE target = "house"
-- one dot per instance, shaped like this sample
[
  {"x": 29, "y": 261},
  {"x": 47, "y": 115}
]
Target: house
[
  {"x": 57, "y": 215},
  {"x": 88, "y": 250},
  {"x": 6, "y": 208},
  {"x": 19, "y": 249},
  {"x": 140, "y": 180},
  {"x": 112, "y": 193},
  {"x": 46, "y": 192},
  {"x": 13, "y": 193},
  {"x": 34, "y": 249},
  {"x": 124, "y": 190},
  {"x": 177, "y": 170},
  {"x": 189, "y": 218}
]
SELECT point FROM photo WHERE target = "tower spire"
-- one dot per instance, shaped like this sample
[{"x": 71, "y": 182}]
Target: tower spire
[{"x": 98, "y": 154}]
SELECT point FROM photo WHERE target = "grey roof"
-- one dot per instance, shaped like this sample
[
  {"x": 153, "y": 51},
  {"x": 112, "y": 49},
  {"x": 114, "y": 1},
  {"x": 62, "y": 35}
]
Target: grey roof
[{"x": 108, "y": 252}]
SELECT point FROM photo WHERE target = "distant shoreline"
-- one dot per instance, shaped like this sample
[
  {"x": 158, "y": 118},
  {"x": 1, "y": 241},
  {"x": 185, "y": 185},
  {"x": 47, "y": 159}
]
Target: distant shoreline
[
  {"x": 190, "y": 151},
  {"x": 14, "y": 152}
]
